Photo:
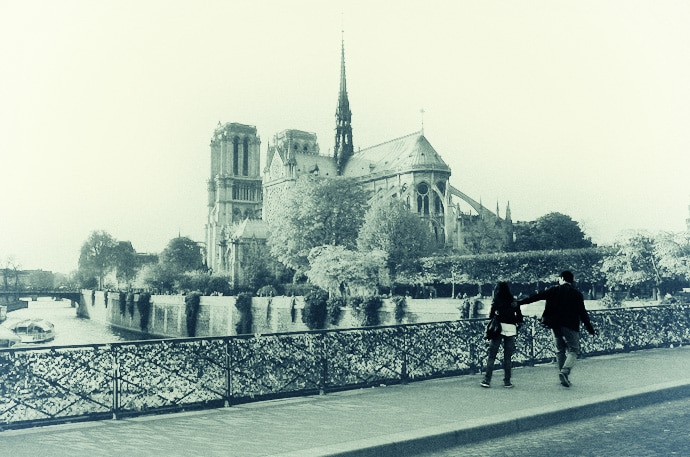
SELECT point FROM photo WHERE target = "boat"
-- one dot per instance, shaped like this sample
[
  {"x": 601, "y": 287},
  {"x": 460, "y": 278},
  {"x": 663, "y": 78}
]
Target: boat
[
  {"x": 33, "y": 330},
  {"x": 8, "y": 338}
]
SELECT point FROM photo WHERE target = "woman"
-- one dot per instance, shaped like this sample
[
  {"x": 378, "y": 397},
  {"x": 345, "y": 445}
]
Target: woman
[{"x": 506, "y": 308}]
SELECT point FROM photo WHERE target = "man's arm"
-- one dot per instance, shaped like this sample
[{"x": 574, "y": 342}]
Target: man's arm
[
  {"x": 584, "y": 316},
  {"x": 543, "y": 295}
]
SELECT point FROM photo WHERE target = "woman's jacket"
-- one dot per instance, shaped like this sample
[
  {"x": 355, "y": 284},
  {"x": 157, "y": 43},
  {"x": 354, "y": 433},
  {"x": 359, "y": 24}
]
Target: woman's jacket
[{"x": 508, "y": 311}]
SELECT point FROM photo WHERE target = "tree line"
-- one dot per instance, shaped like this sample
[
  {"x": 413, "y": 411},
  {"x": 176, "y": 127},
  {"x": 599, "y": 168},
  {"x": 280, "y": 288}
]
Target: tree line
[{"x": 327, "y": 235}]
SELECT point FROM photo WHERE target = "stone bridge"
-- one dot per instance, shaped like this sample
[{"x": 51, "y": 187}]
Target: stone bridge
[{"x": 13, "y": 300}]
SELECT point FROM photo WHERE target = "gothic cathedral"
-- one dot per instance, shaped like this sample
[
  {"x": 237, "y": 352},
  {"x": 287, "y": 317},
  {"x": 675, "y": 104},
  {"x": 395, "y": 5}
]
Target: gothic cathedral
[{"x": 240, "y": 200}]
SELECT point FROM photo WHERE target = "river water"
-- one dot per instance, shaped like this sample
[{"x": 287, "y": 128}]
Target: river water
[{"x": 69, "y": 329}]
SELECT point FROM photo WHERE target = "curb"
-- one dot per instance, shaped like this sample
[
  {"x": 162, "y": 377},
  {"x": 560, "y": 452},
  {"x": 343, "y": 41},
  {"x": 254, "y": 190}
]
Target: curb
[{"x": 472, "y": 431}]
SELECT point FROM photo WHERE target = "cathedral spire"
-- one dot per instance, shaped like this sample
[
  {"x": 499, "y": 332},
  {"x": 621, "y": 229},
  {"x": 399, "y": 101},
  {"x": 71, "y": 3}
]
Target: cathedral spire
[{"x": 343, "y": 149}]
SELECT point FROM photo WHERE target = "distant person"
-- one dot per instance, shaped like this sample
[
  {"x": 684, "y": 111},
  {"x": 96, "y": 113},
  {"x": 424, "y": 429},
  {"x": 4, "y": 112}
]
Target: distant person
[
  {"x": 564, "y": 310},
  {"x": 506, "y": 308}
]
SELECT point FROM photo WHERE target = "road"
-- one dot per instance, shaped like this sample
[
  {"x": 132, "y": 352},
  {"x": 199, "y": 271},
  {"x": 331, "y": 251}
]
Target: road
[{"x": 658, "y": 430}]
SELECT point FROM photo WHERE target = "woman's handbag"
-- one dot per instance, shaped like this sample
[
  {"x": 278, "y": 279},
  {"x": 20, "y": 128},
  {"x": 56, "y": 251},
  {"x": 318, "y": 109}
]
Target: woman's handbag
[{"x": 493, "y": 328}]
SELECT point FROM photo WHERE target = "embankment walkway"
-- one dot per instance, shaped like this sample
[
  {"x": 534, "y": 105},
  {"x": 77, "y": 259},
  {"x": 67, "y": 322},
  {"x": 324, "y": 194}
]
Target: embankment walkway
[{"x": 400, "y": 420}]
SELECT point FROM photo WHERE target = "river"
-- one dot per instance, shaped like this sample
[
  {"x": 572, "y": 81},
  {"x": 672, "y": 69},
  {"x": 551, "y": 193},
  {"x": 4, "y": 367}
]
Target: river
[{"x": 69, "y": 329}]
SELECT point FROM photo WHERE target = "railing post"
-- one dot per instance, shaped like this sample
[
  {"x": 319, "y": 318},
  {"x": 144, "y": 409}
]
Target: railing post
[
  {"x": 475, "y": 367},
  {"x": 324, "y": 364},
  {"x": 228, "y": 372},
  {"x": 117, "y": 397},
  {"x": 530, "y": 341},
  {"x": 404, "y": 377}
]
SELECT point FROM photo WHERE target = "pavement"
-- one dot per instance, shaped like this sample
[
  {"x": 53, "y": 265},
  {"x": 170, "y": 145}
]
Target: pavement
[{"x": 399, "y": 420}]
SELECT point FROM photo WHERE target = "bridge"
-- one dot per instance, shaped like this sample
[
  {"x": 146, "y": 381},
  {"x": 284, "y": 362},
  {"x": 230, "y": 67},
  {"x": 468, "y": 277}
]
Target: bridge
[{"x": 13, "y": 300}]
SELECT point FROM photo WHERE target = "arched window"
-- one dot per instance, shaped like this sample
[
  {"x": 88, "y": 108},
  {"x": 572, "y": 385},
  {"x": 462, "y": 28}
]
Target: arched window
[
  {"x": 245, "y": 158},
  {"x": 423, "y": 198},
  {"x": 235, "y": 155}
]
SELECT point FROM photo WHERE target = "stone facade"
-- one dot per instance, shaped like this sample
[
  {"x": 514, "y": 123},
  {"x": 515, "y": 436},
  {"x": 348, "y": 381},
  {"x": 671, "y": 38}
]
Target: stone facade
[{"x": 234, "y": 188}]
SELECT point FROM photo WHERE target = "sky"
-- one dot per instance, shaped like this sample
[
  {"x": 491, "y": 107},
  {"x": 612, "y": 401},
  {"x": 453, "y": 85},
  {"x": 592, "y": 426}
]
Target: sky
[{"x": 107, "y": 107}]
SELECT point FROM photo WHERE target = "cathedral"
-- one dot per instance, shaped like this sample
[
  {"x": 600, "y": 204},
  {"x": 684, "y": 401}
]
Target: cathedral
[{"x": 242, "y": 196}]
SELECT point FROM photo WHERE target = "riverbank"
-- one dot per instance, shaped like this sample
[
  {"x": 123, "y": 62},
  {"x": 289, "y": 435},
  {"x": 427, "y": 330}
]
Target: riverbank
[{"x": 166, "y": 316}]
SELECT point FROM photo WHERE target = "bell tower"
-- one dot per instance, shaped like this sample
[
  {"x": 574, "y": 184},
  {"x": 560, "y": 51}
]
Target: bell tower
[{"x": 234, "y": 187}]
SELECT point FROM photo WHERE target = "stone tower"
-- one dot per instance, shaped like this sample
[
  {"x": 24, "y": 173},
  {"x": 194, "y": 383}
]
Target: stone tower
[
  {"x": 234, "y": 188},
  {"x": 343, "y": 149}
]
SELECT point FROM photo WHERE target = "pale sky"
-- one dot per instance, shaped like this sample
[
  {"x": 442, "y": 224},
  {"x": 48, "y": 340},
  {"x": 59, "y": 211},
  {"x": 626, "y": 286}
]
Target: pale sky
[{"x": 107, "y": 107}]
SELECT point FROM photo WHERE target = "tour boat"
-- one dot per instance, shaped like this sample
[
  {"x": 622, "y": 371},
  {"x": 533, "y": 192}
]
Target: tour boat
[{"x": 33, "y": 330}]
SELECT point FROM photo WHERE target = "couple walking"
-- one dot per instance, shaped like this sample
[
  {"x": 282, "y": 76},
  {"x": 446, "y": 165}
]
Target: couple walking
[{"x": 563, "y": 312}]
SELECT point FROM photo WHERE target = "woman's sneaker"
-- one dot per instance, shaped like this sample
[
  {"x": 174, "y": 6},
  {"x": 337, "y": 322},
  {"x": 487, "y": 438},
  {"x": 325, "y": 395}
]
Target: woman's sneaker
[
  {"x": 485, "y": 383},
  {"x": 508, "y": 385},
  {"x": 565, "y": 382}
]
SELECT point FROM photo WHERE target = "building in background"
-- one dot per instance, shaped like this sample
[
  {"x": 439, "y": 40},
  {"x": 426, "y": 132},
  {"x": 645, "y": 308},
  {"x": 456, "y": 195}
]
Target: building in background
[{"x": 407, "y": 168}]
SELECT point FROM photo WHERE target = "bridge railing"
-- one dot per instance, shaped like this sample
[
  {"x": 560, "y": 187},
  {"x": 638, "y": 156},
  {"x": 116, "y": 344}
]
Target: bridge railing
[{"x": 87, "y": 382}]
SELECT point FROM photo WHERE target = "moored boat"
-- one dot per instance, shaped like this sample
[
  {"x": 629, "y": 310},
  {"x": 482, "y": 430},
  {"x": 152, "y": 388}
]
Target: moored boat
[{"x": 33, "y": 330}]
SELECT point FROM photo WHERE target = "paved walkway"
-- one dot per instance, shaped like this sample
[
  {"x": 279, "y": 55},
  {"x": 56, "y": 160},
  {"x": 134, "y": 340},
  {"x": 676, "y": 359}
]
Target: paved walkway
[{"x": 400, "y": 420}]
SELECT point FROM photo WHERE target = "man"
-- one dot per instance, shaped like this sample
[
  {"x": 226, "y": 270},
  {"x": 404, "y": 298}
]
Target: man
[{"x": 564, "y": 310}]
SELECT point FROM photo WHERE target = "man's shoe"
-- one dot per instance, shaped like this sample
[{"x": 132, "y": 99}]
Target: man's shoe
[
  {"x": 565, "y": 382},
  {"x": 508, "y": 385},
  {"x": 485, "y": 384}
]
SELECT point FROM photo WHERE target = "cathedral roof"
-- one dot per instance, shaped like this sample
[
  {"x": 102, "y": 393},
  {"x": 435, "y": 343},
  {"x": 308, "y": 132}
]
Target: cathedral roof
[
  {"x": 310, "y": 163},
  {"x": 251, "y": 228},
  {"x": 407, "y": 153}
]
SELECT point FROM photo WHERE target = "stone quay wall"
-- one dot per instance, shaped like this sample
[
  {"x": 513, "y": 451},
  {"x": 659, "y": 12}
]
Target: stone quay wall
[{"x": 218, "y": 315}]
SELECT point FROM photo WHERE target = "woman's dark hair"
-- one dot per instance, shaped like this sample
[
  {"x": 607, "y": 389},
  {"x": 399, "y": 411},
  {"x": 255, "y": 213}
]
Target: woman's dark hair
[{"x": 502, "y": 292}]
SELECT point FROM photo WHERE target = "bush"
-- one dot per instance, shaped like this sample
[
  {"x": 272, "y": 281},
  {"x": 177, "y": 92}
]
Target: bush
[
  {"x": 190, "y": 281},
  {"x": 366, "y": 309},
  {"x": 372, "y": 305},
  {"x": 314, "y": 312},
  {"x": 298, "y": 289},
  {"x": 400, "y": 304},
  {"x": 243, "y": 304},
  {"x": 122, "y": 300},
  {"x": 130, "y": 304},
  {"x": 267, "y": 291},
  {"x": 333, "y": 309},
  {"x": 611, "y": 301},
  {"x": 218, "y": 285},
  {"x": 144, "y": 307},
  {"x": 191, "y": 310}
]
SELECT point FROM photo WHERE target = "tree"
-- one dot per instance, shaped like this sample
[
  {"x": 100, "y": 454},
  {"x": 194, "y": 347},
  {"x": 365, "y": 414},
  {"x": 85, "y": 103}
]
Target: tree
[
  {"x": 634, "y": 263},
  {"x": 316, "y": 212},
  {"x": 342, "y": 271},
  {"x": 256, "y": 268},
  {"x": 97, "y": 256},
  {"x": 486, "y": 236},
  {"x": 155, "y": 276},
  {"x": 551, "y": 231},
  {"x": 673, "y": 251},
  {"x": 41, "y": 280},
  {"x": 404, "y": 237},
  {"x": 182, "y": 254},
  {"x": 10, "y": 271},
  {"x": 125, "y": 261}
]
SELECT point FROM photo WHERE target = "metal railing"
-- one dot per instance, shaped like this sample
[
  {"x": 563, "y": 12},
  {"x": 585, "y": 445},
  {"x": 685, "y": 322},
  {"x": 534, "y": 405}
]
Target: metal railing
[{"x": 88, "y": 382}]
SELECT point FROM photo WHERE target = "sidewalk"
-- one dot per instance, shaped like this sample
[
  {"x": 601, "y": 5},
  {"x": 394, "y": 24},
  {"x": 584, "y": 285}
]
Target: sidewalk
[{"x": 396, "y": 420}]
